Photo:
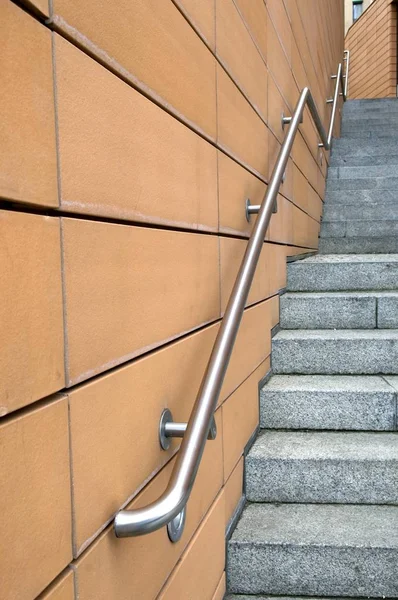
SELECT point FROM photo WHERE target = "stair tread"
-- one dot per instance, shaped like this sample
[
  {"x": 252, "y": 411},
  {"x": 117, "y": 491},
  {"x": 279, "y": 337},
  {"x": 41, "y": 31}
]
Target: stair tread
[
  {"x": 349, "y": 258},
  {"x": 319, "y": 525},
  {"x": 245, "y": 597},
  {"x": 339, "y": 334},
  {"x": 365, "y": 384},
  {"x": 330, "y": 445},
  {"x": 343, "y": 294}
]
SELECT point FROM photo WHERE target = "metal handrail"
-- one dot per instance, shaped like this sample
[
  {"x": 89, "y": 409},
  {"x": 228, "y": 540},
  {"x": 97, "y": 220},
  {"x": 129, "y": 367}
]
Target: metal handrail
[
  {"x": 172, "y": 502},
  {"x": 347, "y": 68}
]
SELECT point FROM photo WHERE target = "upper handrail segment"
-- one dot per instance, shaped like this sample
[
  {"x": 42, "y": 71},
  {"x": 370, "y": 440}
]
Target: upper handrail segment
[
  {"x": 347, "y": 69},
  {"x": 173, "y": 500}
]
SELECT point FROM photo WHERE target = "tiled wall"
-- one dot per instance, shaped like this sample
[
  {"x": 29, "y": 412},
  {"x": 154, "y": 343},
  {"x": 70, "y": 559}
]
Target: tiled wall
[
  {"x": 132, "y": 133},
  {"x": 372, "y": 42}
]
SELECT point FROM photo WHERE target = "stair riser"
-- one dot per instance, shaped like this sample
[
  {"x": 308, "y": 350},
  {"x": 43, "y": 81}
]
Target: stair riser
[
  {"x": 328, "y": 313},
  {"x": 322, "y": 481},
  {"x": 357, "y": 312},
  {"x": 358, "y": 245},
  {"x": 377, "y": 229},
  {"x": 312, "y": 570},
  {"x": 325, "y": 410},
  {"x": 335, "y": 356},
  {"x": 334, "y": 212},
  {"x": 343, "y": 276}
]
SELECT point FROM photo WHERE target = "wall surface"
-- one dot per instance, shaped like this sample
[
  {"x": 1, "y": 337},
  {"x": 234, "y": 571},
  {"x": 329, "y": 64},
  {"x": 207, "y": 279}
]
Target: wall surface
[
  {"x": 348, "y": 14},
  {"x": 372, "y": 42},
  {"x": 131, "y": 135}
]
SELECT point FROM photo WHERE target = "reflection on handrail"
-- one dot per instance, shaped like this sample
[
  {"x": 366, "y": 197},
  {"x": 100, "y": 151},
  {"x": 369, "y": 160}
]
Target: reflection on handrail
[{"x": 172, "y": 502}]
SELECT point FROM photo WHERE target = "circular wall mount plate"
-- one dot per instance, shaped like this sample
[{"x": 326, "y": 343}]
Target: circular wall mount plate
[
  {"x": 166, "y": 417},
  {"x": 175, "y": 528}
]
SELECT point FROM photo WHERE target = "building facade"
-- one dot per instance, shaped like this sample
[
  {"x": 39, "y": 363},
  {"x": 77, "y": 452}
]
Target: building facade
[{"x": 353, "y": 9}]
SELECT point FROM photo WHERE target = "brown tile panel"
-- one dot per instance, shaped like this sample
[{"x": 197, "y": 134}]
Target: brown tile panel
[
  {"x": 202, "y": 17},
  {"x": 251, "y": 349},
  {"x": 111, "y": 568},
  {"x": 241, "y": 407},
  {"x": 254, "y": 15},
  {"x": 233, "y": 490},
  {"x": 122, "y": 156},
  {"x": 35, "y": 527},
  {"x": 31, "y": 319},
  {"x": 231, "y": 255},
  {"x": 238, "y": 53},
  {"x": 240, "y": 130},
  {"x": 150, "y": 44},
  {"x": 27, "y": 130},
  {"x": 130, "y": 289},
  {"x": 205, "y": 554},
  {"x": 235, "y": 186},
  {"x": 221, "y": 589},
  {"x": 61, "y": 589}
]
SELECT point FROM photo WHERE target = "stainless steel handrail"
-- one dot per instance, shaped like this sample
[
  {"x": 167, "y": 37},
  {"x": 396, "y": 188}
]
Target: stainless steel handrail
[
  {"x": 347, "y": 69},
  {"x": 173, "y": 500}
]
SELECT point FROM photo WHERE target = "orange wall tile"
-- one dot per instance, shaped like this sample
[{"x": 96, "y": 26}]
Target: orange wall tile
[
  {"x": 123, "y": 157},
  {"x": 130, "y": 289},
  {"x": 110, "y": 568},
  {"x": 61, "y": 589},
  {"x": 206, "y": 554},
  {"x": 35, "y": 528},
  {"x": 27, "y": 130},
  {"x": 150, "y": 44},
  {"x": 32, "y": 360}
]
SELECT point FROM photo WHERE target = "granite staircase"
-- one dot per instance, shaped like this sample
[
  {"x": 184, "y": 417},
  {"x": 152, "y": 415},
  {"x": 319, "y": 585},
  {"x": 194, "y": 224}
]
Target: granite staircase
[{"x": 321, "y": 480}]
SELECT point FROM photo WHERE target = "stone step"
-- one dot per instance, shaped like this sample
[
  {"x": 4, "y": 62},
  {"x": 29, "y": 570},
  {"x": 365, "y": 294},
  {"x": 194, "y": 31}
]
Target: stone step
[
  {"x": 362, "y": 183},
  {"x": 353, "y": 159},
  {"x": 315, "y": 549},
  {"x": 386, "y": 211},
  {"x": 357, "y": 107},
  {"x": 361, "y": 198},
  {"x": 363, "y": 172},
  {"x": 358, "y": 245},
  {"x": 364, "y": 147},
  {"x": 334, "y": 402},
  {"x": 339, "y": 272},
  {"x": 351, "y": 228},
  {"x": 379, "y": 117},
  {"x": 354, "y": 132},
  {"x": 245, "y": 597},
  {"x": 339, "y": 310},
  {"x": 323, "y": 467},
  {"x": 372, "y": 124},
  {"x": 335, "y": 352}
]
